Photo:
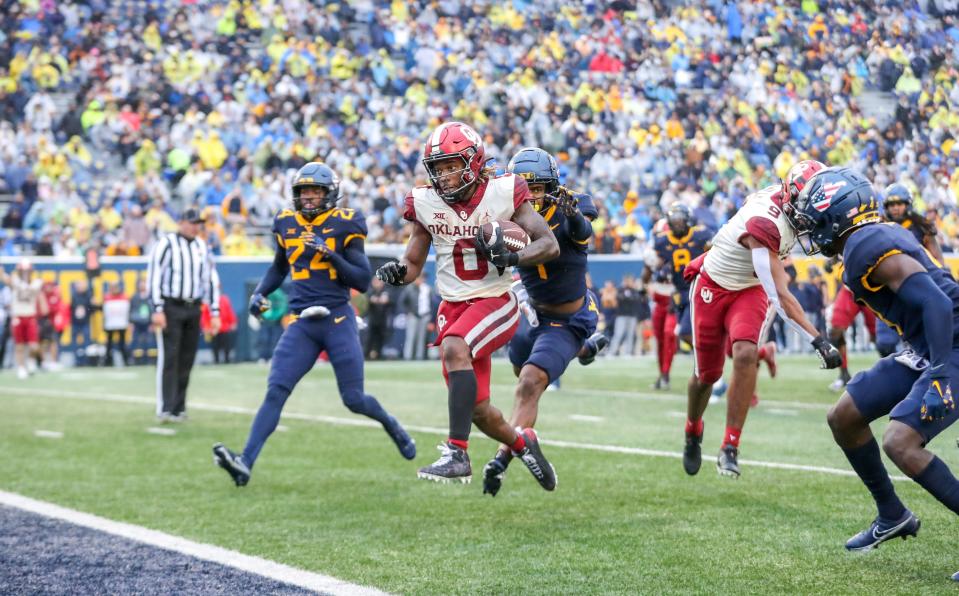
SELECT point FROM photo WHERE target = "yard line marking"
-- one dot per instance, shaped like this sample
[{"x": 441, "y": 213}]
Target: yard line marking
[
  {"x": 782, "y": 412},
  {"x": 667, "y": 397},
  {"x": 166, "y": 432},
  {"x": 423, "y": 429},
  {"x": 585, "y": 418},
  {"x": 48, "y": 434},
  {"x": 675, "y": 414},
  {"x": 207, "y": 552},
  {"x": 282, "y": 429}
]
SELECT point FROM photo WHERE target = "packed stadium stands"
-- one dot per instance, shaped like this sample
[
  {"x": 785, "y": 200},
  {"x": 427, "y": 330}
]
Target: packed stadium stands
[{"x": 113, "y": 116}]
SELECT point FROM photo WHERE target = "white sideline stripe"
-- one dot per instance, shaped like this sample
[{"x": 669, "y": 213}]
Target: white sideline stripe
[
  {"x": 48, "y": 434},
  {"x": 423, "y": 429},
  {"x": 207, "y": 552}
]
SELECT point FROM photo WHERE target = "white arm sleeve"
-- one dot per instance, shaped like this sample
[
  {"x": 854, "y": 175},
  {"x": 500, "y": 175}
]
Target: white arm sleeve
[{"x": 765, "y": 275}]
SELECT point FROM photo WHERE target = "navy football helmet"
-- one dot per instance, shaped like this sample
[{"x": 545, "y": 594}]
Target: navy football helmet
[
  {"x": 316, "y": 174},
  {"x": 537, "y": 167},
  {"x": 832, "y": 204},
  {"x": 897, "y": 193},
  {"x": 679, "y": 219}
]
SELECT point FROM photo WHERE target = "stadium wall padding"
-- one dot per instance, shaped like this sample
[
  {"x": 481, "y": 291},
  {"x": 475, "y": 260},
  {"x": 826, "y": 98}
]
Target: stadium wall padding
[{"x": 238, "y": 275}]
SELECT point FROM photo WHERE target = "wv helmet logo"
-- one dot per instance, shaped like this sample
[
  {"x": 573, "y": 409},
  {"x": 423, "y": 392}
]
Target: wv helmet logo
[{"x": 706, "y": 294}]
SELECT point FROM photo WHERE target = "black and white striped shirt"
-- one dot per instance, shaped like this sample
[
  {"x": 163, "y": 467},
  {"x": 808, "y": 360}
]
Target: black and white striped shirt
[{"x": 182, "y": 269}]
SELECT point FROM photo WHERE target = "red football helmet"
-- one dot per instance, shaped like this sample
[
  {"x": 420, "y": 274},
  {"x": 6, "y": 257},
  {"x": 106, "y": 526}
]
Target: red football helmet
[
  {"x": 459, "y": 141},
  {"x": 798, "y": 176}
]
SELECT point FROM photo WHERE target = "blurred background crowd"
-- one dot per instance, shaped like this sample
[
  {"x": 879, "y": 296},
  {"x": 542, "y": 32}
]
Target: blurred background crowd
[{"x": 114, "y": 115}]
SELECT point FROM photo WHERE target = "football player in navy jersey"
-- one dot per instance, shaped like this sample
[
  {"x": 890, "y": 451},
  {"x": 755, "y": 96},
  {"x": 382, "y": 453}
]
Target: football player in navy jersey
[
  {"x": 561, "y": 312},
  {"x": 897, "y": 208},
  {"x": 675, "y": 247},
  {"x": 321, "y": 247},
  {"x": 892, "y": 274}
]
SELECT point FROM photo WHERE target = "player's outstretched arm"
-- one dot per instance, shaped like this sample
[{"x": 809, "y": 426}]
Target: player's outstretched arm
[
  {"x": 775, "y": 281},
  {"x": 275, "y": 274},
  {"x": 408, "y": 268},
  {"x": 543, "y": 247}
]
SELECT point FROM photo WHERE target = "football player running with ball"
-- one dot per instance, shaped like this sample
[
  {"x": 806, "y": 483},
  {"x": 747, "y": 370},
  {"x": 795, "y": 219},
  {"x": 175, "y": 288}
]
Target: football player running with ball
[
  {"x": 734, "y": 283},
  {"x": 562, "y": 313},
  {"x": 479, "y": 313},
  {"x": 891, "y": 272},
  {"x": 321, "y": 248}
]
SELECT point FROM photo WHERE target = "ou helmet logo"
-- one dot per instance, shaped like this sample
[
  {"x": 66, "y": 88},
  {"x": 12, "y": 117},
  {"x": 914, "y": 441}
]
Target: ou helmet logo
[
  {"x": 441, "y": 321},
  {"x": 707, "y": 295},
  {"x": 470, "y": 134}
]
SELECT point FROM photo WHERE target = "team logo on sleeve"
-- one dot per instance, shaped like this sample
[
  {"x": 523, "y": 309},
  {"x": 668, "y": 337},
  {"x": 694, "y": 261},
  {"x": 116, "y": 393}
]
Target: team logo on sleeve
[{"x": 823, "y": 198}]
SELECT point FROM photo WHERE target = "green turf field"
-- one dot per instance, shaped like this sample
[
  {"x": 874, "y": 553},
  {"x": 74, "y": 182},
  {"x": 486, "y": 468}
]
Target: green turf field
[{"x": 338, "y": 499}]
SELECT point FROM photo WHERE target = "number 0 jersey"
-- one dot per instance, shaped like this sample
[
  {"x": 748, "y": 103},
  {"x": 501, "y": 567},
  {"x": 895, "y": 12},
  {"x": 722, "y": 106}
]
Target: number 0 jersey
[
  {"x": 462, "y": 274},
  {"x": 729, "y": 262},
  {"x": 315, "y": 281}
]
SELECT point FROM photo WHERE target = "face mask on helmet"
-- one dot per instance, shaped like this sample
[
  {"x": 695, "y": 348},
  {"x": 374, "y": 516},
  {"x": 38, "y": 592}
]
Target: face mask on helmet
[
  {"x": 450, "y": 176},
  {"x": 318, "y": 205},
  {"x": 678, "y": 224}
]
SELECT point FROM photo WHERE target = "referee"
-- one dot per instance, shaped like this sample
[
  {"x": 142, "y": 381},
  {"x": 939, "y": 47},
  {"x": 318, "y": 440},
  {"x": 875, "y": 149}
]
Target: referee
[{"x": 181, "y": 275}]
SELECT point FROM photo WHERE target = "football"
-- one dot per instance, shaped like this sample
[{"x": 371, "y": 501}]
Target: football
[{"x": 514, "y": 236}]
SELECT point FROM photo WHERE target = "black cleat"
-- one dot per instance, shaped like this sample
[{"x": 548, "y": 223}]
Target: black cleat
[
  {"x": 494, "y": 472},
  {"x": 727, "y": 464},
  {"x": 404, "y": 442},
  {"x": 662, "y": 382},
  {"x": 232, "y": 463},
  {"x": 693, "y": 454},
  {"x": 452, "y": 466},
  {"x": 882, "y": 530},
  {"x": 535, "y": 461},
  {"x": 594, "y": 344}
]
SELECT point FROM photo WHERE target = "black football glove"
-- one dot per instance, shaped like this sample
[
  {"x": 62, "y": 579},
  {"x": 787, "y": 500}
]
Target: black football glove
[
  {"x": 937, "y": 401},
  {"x": 566, "y": 202},
  {"x": 828, "y": 354},
  {"x": 495, "y": 250},
  {"x": 392, "y": 273}
]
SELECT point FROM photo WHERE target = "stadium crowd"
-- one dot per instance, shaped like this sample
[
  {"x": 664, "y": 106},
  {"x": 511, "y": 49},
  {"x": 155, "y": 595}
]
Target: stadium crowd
[{"x": 114, "y": 116}]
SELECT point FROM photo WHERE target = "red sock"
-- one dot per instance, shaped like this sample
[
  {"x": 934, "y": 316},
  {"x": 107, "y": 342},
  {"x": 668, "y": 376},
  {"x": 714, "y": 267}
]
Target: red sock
[
  {"x": 732, "y": 436},
  {"x": 694, "y": 428},
  {"x": 458, "y": 443},
  {"x": 519, "y": 444},
  {"x": 762, "y": 352},
  {"x": 842, "y": 354}
]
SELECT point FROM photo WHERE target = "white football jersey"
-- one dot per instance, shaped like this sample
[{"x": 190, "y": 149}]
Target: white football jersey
[
  {"x": 25, "y": 295},
  {"x": 461, "y": 274},
  {"x": 729, "y": 263}
]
